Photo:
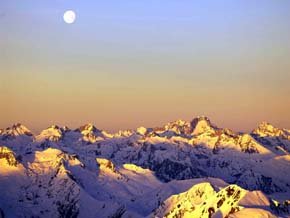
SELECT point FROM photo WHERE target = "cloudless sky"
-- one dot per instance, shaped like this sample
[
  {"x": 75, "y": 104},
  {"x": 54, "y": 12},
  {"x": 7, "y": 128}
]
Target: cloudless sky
[{"x": 128, "y": 63}]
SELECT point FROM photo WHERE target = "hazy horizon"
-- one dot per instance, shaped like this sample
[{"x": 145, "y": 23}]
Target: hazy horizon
[
  {"x": 159, "y": 124},
  {"x": 144, "y": 63}
]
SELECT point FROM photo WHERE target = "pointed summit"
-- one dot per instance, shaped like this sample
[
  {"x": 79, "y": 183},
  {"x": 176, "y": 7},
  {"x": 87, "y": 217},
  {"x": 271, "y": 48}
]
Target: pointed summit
[
  {"x": 17, "y": 130},
  {"x": 88, "y": 128},
  {"x": 90, "y": 133},
  {"x": 52, "y": 133},
  {"x": 202, "y": 124},
  {"x": 178, "y": 126},
  {"x": 266, "y": 129}
]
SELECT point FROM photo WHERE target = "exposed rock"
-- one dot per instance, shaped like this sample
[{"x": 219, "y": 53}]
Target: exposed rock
[{"x": 8, "y": 155}]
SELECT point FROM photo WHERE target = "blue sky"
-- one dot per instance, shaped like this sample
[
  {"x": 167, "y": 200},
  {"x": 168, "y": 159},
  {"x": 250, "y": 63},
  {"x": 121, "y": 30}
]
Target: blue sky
[{"x": 135, "y": 53}]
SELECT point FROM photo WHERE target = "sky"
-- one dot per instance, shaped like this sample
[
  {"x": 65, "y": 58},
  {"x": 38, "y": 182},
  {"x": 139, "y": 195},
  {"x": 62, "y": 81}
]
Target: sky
[{"x": 131, "y": 63}]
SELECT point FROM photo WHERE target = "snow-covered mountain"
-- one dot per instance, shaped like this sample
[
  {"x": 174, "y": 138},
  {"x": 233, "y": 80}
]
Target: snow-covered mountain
[
  {"x": 277, "y": 140},
  {"x": 181, "y": 169}
]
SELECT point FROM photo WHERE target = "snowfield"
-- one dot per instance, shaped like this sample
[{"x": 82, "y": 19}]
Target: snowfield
[{"x": 183, "y": 169}]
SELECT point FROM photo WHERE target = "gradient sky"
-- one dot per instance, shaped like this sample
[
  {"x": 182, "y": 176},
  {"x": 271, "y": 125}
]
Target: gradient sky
[{"x": 128, "y": 63}]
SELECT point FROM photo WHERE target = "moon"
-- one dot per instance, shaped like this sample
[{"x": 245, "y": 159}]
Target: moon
[{"x": 69, "y": 17}]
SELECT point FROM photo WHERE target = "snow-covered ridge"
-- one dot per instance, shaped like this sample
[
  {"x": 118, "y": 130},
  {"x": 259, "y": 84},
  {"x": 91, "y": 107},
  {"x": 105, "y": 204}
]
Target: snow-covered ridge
[
  {"x": 52, "y": 133},
  {"x": 203, "y": 201},
  {"x": 274, "y": 138},
  {"x": 16, "y": 130},
  {"x": 182, "y": 169},
  {"x": 196, "y": 126},
  {"x": 265, "y": 129}
]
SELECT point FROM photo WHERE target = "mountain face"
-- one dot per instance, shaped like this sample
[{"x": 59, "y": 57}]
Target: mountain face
[
  {"x": 16, "y": 130},
  {"x": 277, "y": 140},
  {"x": 203, "y": 201},
  {"x": 182, "y": 169},
  {"x": 8, "y": 156}
]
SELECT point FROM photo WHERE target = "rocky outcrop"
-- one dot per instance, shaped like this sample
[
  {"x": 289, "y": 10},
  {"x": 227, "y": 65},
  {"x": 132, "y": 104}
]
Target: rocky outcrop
[
  {"x": 202, "y": 201},
  {"x": 8, "y": 155}
]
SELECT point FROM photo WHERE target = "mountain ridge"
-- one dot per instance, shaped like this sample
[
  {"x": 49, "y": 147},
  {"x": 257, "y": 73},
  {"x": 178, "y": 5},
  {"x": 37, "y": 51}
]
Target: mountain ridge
[
  {"x": 137, "y": 173},
  {"x": 263, "y": 127}
]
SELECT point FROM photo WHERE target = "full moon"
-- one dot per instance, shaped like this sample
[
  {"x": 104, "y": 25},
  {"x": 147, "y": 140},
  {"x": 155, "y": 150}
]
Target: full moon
[{"x": 69, "y": 17}]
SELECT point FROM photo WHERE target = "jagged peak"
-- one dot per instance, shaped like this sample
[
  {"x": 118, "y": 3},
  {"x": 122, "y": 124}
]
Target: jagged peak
[
  {"x": 202, "y": 124},
  {"x": 53, "y": 127},
  {"x": 91, "y": 134},
  {"x": 200, "y": 119},
  {"x": 17, "y": 130},
  {"x": 176, "y": 124},
  {"x": 248, "y": 144},
  {"x": 176, "y": 205},
  {"x": 267, "y": 129},
  {"x": 266, "y": 125},
  {"x": 178, "y": 127},
  {"x": 89, "y": 127},
  {"x": 57, "y": 128},
  {"x": 52, "y": 133},
  {"x": 228, "y": 132},
  {"x": 54, "y": 155},
  {"x": 197, "y": 126},
  {"x": 202, "y": 200},
  {"x": 223, "y": 203}
]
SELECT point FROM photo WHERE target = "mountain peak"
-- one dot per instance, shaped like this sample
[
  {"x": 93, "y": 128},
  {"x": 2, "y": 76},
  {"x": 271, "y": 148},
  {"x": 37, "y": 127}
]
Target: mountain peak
[
  {"x": 52, "y": 133},
  {"x": 179, "y": 126},
  {"x": 265, "y": 124},
  {"x": 17, "y": 130},
  {"x": 180, "y": 122},
  {"x": 202, "y": 124},
  {"x": 90, "y": 133},
  {"x": 89, "y": 127},
  {"x": 267, "y": 129},
  {"x": 201, "y": 118}
]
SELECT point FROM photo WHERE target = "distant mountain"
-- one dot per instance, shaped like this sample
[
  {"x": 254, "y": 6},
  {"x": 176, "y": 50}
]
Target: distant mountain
[
  {"x": 277, "y": 140},
  {"x": 182, "y": 169},
  {"x": 16, "y": 130}
]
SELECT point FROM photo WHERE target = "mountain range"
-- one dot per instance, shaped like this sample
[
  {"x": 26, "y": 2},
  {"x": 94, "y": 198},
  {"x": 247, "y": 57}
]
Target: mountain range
[{"x": 182, "y": 169}]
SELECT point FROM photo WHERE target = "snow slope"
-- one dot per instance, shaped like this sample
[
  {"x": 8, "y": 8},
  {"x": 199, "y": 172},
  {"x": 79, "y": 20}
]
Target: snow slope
[{"x": 182, "y": 169}]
